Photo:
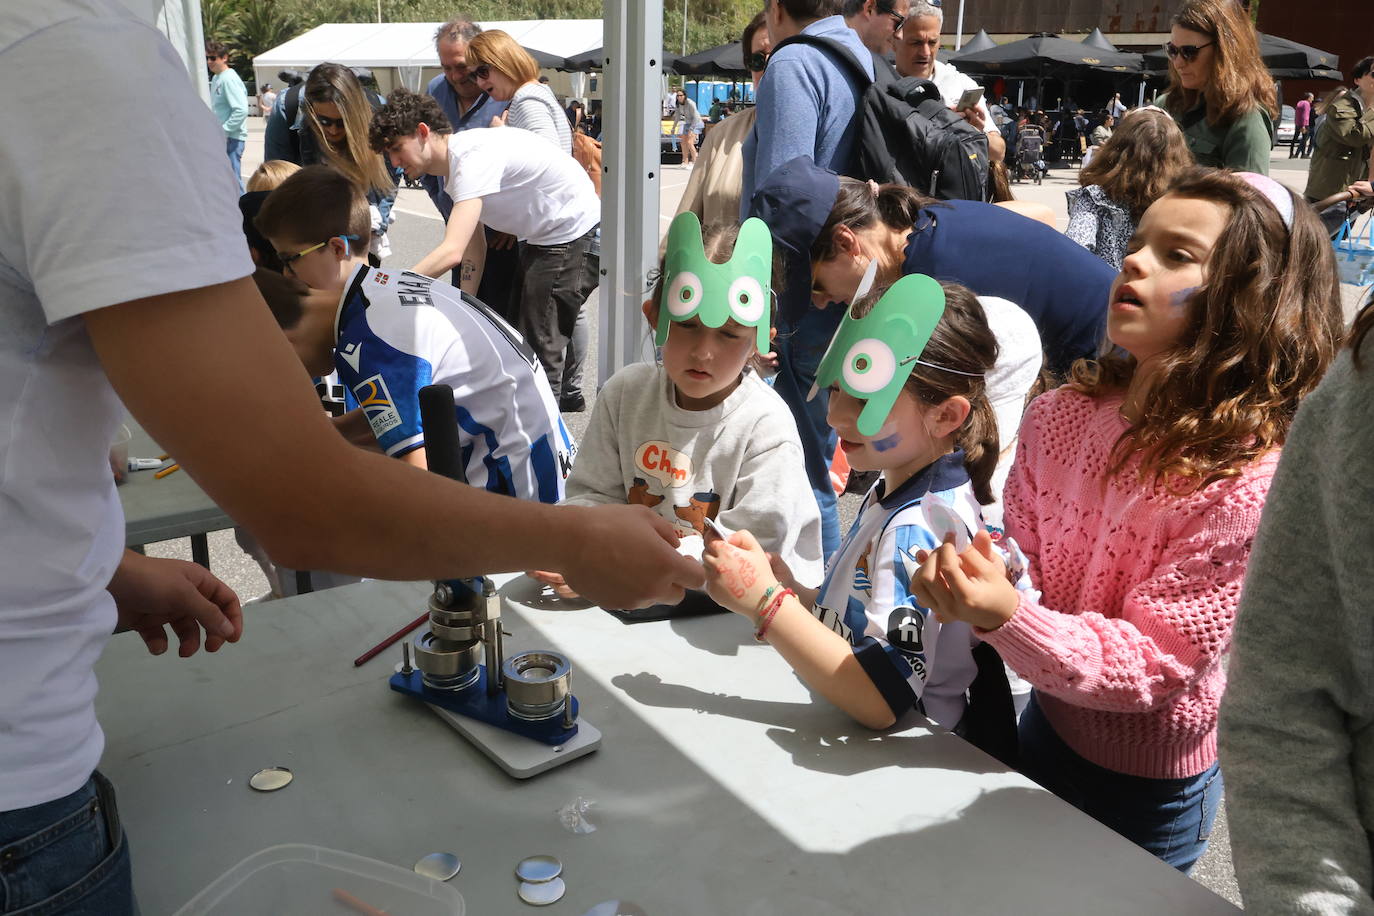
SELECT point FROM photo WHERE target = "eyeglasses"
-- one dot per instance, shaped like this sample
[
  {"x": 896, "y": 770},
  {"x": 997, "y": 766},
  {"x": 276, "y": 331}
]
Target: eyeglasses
[
  {"x": 481, "y": 72},
  {"x": 1187, "y": 52},
  {"x": 288, "y": 259},
  {"x": 756, "y": 61},
  {"x": 328, "y": 123}
]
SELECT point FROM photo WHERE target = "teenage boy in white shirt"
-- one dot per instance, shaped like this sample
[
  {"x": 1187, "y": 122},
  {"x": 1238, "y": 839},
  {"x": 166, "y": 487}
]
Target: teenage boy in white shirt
[{"x": 500, "y": 177}]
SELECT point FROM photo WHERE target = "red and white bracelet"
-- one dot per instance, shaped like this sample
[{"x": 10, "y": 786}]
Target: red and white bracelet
[{"x": 766, "y": 618}]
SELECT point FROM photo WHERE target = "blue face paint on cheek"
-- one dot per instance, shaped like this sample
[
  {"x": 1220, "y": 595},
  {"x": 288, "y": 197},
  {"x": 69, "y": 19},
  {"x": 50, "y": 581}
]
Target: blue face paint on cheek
[
  {"x": 1180, "y": 299},
  {"x": 887, "y": 442}
]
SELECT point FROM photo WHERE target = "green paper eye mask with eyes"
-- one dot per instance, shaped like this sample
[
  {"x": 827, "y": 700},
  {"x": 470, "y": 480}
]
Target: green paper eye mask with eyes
[
  {"x": 694, "y": 287},
  {"x": 872, "y": 357}
]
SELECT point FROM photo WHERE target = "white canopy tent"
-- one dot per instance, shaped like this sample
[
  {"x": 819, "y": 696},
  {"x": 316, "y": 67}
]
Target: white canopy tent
[{"x": 402, "y": 53}]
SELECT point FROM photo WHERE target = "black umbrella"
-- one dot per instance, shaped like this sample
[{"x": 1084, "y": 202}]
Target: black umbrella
[
  {"x": 1278, "y": 54},
  {"x": 593, "y": 60},
  {"x": 724, "y": 60},
  {"x": 547, "y": 61},
  {"x": 980, "y": 42},
  {"x": 1096, "y": 39},
  {"x": 1045, "y": 55},
  {"x": 1298, "y": 73}
]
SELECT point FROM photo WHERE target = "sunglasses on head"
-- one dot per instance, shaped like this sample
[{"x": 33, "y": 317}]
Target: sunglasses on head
[
  {"x": 481, "y": 72},
  {"x": 756, "y": 61},
  {"x": 328, "y": 123},
  {"x": 1187, "y": 52}
]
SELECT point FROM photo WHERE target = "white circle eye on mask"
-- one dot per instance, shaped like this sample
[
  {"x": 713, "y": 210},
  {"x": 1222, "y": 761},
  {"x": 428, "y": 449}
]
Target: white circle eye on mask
[
  {"x": 869, "y": 366},
  {"x": 685, "y": 294},
  {"x": 746, "y": 300}
]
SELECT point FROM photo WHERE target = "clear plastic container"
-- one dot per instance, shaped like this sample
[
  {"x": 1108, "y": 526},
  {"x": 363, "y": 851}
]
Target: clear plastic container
[{"x": 303, "y": 880}]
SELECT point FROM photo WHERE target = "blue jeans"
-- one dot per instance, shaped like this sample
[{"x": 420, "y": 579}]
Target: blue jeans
[
  {"x": 800, "y": 345},
  {"x": 67, "y": 857},
  {"x": 1169, "y": 818},
  {"x": 235, "y": 150}
]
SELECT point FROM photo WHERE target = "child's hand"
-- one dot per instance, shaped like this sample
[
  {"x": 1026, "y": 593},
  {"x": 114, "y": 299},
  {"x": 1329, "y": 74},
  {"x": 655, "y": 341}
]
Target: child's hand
[
  {"x": 554, "y": 581},
  {"x": 782, "y": 572},
  {"x": 971, "y": 586},
  {"x": 737, "y": 573}
]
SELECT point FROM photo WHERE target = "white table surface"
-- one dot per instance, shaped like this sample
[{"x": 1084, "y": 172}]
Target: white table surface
[
  {"x": 159, "y": 510},
  {"x": 720, "y": 786}
]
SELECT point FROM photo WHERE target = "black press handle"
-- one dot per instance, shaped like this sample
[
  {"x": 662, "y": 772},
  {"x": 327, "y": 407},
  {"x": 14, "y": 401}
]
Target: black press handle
[{"x": 443, "y": 453}]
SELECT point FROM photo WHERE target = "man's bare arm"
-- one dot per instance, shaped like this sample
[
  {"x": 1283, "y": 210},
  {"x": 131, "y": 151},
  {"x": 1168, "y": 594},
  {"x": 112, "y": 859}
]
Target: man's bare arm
[{"x": 212, "y": 379}]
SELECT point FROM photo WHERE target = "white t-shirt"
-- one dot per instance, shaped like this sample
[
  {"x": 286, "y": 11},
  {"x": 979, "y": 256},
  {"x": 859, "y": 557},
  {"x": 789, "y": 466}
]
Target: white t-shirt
[
  {"x": 1019, "y": 357},
  {"x": 529, "y": 188},
  {"x": 150, "y": 209},
  {"x": 953, "y": 84}
]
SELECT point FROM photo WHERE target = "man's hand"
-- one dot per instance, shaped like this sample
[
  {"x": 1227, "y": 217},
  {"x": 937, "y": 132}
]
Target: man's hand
[
  {"x": 971, "y": 586},
  {"x": 1361, "y": 189},
  {"x": 151, "y": 594},
  {"x": 626, "y": 557},
  {"x": 554, "y": 581},
  {"x": 975, "y": 117}
]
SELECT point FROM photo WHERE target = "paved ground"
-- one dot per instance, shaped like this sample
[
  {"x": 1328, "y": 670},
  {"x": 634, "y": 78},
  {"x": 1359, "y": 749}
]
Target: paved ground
[{"x": 418, "y": 229}]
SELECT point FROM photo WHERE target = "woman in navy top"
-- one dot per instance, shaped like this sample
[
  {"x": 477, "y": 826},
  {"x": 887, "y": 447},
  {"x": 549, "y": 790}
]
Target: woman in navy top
[{"x": 990, "y": 249}]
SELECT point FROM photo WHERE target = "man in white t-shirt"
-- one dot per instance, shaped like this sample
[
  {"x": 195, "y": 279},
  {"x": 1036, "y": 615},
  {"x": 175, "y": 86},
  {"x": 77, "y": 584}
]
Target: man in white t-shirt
[
  {"x": 916, "y": 47},
  {"x": 534, "y": 191},
  {"x": 106, "y": 305}
]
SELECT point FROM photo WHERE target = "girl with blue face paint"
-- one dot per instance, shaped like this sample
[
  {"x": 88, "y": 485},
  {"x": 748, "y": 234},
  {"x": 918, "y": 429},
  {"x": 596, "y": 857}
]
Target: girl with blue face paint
[
  {"x": 908, "y": 398},
  {"x": 699, "y": 437}
]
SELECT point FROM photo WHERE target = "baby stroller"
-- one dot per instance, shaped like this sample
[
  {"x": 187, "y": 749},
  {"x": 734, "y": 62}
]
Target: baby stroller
[{"x": 1030, "y": 155}]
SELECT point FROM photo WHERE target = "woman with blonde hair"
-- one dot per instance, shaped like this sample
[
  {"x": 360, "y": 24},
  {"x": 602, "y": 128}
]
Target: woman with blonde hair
[
  {"x": 508, "y": 73},
  {"x": 325, "y": 120},
  {"x": 1219, "y": 92},
  {"x": 1131, "y": 170}
]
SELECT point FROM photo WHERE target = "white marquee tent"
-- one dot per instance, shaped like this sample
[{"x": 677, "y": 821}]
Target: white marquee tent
[{"x": 402, "y": 53}]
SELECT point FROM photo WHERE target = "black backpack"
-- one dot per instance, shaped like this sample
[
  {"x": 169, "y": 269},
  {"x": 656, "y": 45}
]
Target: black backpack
[{"x": 907, "y": 135}]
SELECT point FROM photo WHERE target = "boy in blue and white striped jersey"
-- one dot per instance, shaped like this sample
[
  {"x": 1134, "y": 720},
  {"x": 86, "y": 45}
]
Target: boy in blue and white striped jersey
[{"x": 390, "y": 333}]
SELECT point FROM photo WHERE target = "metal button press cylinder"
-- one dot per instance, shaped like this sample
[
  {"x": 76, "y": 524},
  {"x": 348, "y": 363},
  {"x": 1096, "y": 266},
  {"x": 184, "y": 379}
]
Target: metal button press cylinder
[{"x": 537, "y": 684}]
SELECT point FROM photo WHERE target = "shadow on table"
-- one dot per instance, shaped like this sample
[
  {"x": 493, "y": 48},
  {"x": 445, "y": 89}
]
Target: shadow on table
[
  {"x": 839, "y": 751},
  {"x": 719, "y": 634},
  {"x": 524, "y": 591}
]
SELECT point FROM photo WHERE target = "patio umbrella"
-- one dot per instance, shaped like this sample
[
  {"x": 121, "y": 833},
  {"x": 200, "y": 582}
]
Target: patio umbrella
[
  {"x": 547, "y": 61},
  {"x": 724, "y": 60},
  {"x": 591, "y": 60},
  {"x": 1096, "y": 39},
  {"x": 980, "y": 42},
  {"x": 1045, "y": 55},
  {"x": 1278, "y": 54}
]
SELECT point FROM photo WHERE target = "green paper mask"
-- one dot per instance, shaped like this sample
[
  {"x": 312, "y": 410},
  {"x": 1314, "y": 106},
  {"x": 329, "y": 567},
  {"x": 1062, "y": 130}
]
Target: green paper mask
[
  {"x": 872, "y": 357},
  {"x": 693, "y": 287}
]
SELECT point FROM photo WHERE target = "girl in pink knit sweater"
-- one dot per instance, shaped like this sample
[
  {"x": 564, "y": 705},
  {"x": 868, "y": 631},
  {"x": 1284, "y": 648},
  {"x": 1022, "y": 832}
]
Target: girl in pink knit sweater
[{"x": 1136, "y": 493}]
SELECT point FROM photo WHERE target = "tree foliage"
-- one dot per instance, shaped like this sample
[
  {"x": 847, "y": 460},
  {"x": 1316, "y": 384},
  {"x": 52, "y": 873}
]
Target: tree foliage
[{"x": 253, "y": 26}]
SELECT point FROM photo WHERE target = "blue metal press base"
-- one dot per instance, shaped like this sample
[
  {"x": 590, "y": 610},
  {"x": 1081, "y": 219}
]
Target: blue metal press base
[{"x": 474, "y": 703}]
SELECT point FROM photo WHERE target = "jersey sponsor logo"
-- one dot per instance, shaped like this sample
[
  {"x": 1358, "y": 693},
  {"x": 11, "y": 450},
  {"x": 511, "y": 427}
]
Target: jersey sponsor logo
[
  {"x": 380, "y": 278},
  {"x": 352, "y": 354},
  {"x": 565, "y": 463},
  {"x": 664, "y": 463},
  {"x": 904, "y": 633},
  {"x": 375, "y": 400}
]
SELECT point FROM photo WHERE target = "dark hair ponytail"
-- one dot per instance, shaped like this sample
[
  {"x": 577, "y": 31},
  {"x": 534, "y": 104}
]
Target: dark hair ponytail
[{"x": 858, "y": 207}]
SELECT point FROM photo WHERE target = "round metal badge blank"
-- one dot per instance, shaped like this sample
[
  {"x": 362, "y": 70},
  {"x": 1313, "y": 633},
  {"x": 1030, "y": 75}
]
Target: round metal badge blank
[
  {"x": 538, "y": 869},
  {"x": 271, "y": 779},
  {"x": 438, "y": 865},
  {"x": 543, "y": 893}
]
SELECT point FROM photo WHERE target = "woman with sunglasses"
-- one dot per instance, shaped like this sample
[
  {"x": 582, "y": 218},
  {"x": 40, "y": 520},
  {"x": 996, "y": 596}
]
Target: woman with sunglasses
[
  {"x": 507, "y": 73},
  {"x": 713, "y": 191},
  {"x": 1219, "y": 92},
  {"x": 325, "y": 121}
]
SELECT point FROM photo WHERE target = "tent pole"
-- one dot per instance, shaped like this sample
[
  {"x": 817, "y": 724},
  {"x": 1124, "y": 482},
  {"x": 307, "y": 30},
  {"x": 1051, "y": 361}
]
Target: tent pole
[
  {"x": 959, "y": 34},
  {"x": 630, "y": 184}
]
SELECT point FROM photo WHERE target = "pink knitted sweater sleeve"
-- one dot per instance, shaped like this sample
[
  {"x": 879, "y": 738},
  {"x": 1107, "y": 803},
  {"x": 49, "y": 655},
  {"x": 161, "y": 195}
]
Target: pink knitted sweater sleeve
[{"x": 1174, "y": 616}]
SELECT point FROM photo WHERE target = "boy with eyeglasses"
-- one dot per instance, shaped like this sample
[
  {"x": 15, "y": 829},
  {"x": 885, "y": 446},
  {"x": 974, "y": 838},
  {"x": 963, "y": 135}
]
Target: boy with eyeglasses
[{"x": 390, "y": 333}]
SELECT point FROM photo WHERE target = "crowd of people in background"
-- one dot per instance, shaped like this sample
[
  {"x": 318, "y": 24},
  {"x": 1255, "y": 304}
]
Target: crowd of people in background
[{"x": 1084, "y": 444}]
